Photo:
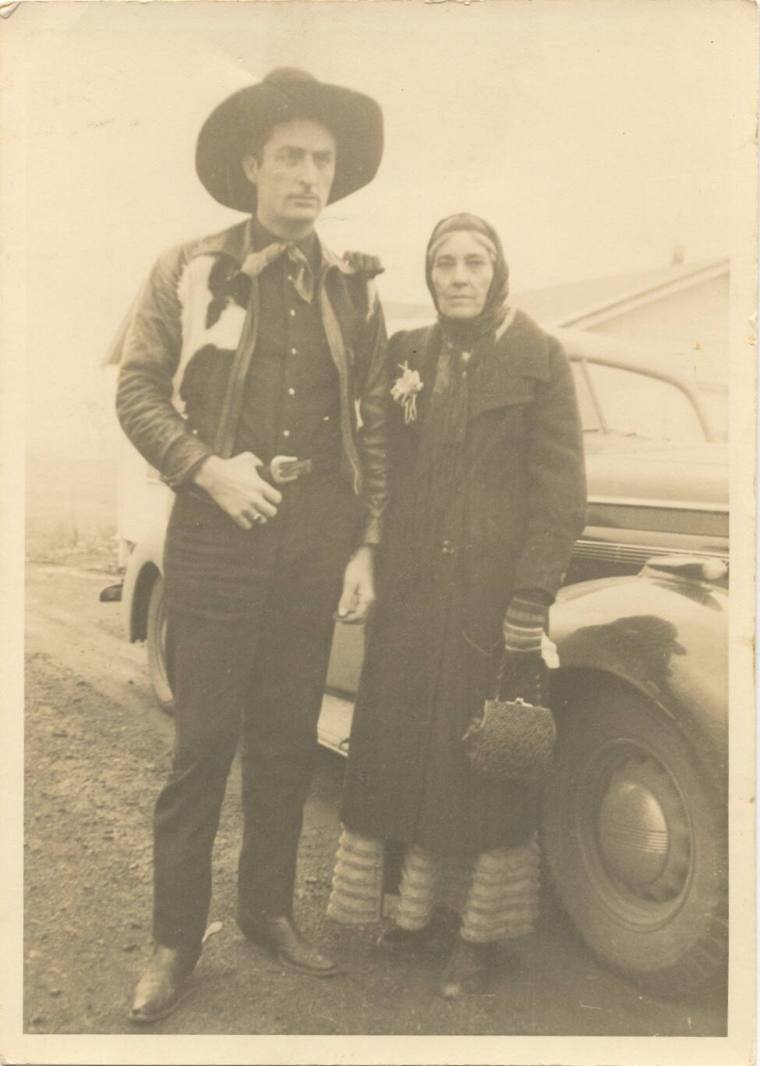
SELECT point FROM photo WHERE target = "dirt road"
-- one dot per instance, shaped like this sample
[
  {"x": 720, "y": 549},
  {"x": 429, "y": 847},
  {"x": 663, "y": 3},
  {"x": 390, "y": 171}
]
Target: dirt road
[{"x": 96, "y": 753}]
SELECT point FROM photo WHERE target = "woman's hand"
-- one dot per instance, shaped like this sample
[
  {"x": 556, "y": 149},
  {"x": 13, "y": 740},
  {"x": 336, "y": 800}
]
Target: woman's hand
[
  {"x": 237, "y": 487},
  {"x": 358, "y": 587}
]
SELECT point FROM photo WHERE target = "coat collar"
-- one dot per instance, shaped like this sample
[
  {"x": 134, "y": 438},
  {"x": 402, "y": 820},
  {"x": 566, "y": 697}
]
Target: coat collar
[
  {"x": 521, "y": 349},
  {"x": 507, "y": 376},
  {"x": 238, "y": 242}
]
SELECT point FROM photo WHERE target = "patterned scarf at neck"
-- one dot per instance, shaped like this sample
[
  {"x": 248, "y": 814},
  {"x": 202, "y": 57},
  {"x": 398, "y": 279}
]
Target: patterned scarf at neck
[{"x": 302, "y": 276}]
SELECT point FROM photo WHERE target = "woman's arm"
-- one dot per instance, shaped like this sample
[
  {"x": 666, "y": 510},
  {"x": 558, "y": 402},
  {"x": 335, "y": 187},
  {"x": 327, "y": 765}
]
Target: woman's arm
[{"x": 557, "y": 481}]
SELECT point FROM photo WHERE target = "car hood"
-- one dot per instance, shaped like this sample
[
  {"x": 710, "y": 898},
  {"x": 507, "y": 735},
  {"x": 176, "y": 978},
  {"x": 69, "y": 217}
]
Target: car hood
[{"x": 653, "y": 471}]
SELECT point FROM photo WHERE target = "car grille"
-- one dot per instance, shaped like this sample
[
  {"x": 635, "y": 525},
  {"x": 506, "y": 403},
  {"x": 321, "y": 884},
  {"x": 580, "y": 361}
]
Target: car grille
[{"x": 615, "y": 554}]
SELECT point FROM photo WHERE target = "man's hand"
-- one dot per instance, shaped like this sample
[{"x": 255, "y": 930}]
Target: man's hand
[
  {"x": 358, "y": 587},
  {"x": 361, "y": 263},
  {"x": 237, "y": 487}
]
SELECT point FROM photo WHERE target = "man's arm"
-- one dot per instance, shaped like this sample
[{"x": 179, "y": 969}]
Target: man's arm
[
  {"x": 373, "y": 407},
  {"x": 150, "y": 352},
  {"x": 358, "y": 582},
  {"x": 151, "y": 343}
]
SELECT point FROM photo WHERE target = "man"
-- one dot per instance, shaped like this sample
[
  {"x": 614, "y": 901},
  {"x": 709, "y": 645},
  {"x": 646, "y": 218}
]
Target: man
[{"x": 253, "y": 378}]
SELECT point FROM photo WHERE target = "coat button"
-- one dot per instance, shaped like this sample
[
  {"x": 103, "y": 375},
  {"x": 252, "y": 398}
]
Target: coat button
[{"x": 448, "y": 548}]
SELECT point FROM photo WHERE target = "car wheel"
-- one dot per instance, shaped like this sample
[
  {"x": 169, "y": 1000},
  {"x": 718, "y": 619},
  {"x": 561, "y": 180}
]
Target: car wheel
[
  {"x": 635, "y": 831},
  {"x": 156, "y": 645}
]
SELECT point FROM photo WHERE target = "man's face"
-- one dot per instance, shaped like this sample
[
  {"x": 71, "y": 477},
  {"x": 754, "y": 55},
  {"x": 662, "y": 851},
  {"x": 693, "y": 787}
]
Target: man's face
[
  {"x": 462, "y": 273},
  {"x": 293, "y": 174}
]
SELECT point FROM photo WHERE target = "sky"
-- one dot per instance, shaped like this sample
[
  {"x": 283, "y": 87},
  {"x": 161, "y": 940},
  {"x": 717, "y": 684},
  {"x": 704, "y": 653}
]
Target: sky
[{"x": 596, "y": 135}]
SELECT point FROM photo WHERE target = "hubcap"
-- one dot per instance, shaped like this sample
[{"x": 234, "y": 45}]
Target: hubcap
[
  {"x": 633, "y": 832},
  {"x": 639, "y": 831}
]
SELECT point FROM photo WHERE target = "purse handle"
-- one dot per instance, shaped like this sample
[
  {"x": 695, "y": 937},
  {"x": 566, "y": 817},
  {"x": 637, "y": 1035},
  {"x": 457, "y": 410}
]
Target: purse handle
[{"x": 507, "y": 690}]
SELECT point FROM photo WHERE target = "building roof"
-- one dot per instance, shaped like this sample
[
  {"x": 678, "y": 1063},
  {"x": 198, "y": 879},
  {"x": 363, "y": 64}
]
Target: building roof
[{"x": 586, "y": 303}]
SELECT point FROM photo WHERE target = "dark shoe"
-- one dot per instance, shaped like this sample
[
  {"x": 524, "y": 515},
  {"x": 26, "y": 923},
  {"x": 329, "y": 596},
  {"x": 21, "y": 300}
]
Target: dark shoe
[
  {"x": 287, "y": 943},
  {"x": 404, "y": 941},
  {"x": 162, "y": 985},
  {"x": 468, "y": 971}
]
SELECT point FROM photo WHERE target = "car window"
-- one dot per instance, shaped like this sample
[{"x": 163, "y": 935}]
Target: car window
[{"x": 636, "y": 405}]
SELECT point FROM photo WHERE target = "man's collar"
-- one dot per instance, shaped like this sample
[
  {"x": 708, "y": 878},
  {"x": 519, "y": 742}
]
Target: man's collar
[
  {"x": 261, "y": 238},
  {"x": 250, "y": 236}
]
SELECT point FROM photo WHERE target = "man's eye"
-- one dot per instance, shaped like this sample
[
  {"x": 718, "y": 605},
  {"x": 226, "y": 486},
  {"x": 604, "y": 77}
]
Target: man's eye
[{"x": 323, "y": 159}]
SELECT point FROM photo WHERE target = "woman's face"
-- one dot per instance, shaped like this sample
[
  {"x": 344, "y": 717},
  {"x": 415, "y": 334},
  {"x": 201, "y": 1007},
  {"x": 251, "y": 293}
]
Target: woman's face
[{"x": 461, "y": 273}]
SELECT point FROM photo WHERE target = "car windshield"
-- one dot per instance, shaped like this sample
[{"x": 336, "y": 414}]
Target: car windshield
[{"x": 629, "y": 403}]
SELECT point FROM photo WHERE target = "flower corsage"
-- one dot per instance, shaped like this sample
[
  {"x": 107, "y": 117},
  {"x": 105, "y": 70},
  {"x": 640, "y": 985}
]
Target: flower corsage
[{"x": 405, "y": 389}]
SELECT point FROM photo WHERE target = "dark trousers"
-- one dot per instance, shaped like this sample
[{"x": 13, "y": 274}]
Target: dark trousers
[{"x": 259, "y": 681}]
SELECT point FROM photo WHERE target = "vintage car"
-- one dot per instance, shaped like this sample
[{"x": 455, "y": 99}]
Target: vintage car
[{"x": 635, "y": 814}]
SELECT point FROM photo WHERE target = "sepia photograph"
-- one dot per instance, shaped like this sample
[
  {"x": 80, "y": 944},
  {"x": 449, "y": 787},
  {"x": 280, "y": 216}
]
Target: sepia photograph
[{"x": 378, "y": 394}]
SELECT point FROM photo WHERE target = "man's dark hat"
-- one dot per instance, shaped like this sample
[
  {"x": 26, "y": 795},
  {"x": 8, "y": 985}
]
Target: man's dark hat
[{"x": 247, "y": 116}]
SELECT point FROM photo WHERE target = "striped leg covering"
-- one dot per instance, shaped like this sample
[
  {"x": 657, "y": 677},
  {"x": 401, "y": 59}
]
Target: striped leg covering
[
  {"x": 419, "y": 889},
  {"x": 356, "y": 897},
  {"x": 502, "y": 902}
]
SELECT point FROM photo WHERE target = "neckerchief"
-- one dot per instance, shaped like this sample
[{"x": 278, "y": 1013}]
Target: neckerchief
[{"x": 301, "y": 275}]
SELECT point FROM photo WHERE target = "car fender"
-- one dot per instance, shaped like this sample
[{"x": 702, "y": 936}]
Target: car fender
[
  {"x": 144, "y": 565},
  {"x": 663, "y": 634}
]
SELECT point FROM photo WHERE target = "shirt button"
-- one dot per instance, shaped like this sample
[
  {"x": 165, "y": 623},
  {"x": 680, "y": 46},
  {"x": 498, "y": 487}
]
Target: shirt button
[
  {"x": 292, "y": 312},
  {"x": 286, "y": 432},
  {"x": 294, "y": 351},
  {"x": 291, "y": 392}
]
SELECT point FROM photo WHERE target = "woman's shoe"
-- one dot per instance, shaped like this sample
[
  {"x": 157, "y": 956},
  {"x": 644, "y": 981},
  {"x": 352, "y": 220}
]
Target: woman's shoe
[{"x": 469, "y": 970}]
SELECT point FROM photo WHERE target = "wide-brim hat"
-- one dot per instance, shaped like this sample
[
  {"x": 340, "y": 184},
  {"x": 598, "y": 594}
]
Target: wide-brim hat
[{"x": 354, "y": 119}]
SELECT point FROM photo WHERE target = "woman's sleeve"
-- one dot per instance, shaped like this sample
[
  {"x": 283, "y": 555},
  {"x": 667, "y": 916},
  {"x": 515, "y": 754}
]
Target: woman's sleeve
[{"x": 557, "y": 480}]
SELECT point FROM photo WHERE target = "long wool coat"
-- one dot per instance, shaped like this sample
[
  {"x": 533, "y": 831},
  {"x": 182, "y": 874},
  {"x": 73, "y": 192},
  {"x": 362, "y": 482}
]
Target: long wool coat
[{"x": 434, "y": 646}]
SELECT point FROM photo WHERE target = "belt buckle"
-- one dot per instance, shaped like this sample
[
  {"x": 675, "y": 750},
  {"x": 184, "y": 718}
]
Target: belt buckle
[{"x": 286, "y": 468}]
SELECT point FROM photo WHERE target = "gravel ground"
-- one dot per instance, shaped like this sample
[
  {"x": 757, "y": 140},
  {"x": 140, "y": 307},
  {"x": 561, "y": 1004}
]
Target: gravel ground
[{"x": 96, "y": 753}]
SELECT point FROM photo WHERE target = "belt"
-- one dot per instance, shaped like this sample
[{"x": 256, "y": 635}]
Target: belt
[{"x": 286, "y": 468}]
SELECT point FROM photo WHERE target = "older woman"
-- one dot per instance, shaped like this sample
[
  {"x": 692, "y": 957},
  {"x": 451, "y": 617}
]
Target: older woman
[{"x": 488, "y": 497}]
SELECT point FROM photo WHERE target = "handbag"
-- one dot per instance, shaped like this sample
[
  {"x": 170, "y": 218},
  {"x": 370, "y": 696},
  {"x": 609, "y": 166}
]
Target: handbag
[{"x": 513, "y": 738}]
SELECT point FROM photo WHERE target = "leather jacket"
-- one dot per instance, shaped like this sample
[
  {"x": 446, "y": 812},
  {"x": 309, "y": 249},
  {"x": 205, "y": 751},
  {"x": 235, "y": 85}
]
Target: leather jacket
[{"x": 199, "y": 298}]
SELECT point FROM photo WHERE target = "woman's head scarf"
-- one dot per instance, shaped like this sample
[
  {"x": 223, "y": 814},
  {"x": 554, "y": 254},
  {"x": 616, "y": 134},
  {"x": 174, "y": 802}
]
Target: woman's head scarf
[{"x": 465, "y": 332}]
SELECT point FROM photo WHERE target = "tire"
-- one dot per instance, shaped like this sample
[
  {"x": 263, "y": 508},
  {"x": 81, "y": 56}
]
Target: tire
[
  {"x": 635, "y": 831},
  {"x": 156, "y": 646}
]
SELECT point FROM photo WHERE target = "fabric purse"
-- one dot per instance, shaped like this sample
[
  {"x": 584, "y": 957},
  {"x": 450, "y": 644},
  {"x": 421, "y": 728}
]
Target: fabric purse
[{"x": 513, "y": 738}]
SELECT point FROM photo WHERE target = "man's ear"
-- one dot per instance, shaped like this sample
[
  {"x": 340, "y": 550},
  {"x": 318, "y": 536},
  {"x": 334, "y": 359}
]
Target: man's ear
[{"x": 250, "y": 166}]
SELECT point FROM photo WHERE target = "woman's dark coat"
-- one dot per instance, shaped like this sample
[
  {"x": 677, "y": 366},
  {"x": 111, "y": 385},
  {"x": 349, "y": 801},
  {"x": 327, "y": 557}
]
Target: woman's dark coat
[{"x": 435, "y": 642}]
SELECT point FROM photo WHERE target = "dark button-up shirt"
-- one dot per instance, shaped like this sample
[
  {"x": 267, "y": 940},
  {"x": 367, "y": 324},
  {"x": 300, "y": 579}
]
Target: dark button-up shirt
[{"x": 291, "y": 403}]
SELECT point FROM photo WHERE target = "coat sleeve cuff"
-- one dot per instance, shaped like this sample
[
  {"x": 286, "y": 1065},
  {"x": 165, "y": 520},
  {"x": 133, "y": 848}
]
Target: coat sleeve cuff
[
  {"x": 372, "y": 533},
  {"x": 183, "y": 459}
]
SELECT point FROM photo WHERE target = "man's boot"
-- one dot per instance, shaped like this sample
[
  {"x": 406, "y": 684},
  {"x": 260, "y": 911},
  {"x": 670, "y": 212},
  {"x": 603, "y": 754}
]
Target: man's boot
[
  {"x": 162, "y": 985},
  {"x": 282, "y": 937}
]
